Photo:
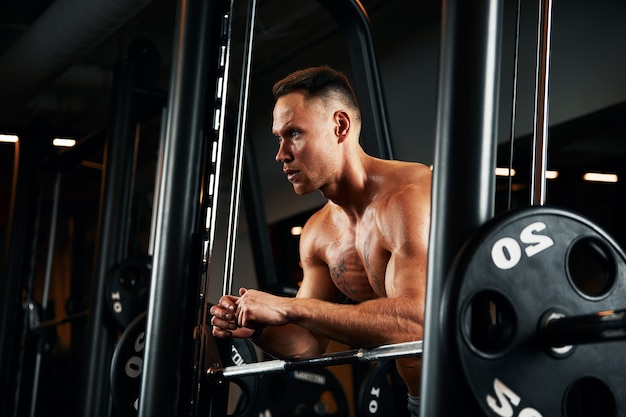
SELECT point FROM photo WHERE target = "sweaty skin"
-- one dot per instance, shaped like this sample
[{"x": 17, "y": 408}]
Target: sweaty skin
[{"x": 369, "y": 242}]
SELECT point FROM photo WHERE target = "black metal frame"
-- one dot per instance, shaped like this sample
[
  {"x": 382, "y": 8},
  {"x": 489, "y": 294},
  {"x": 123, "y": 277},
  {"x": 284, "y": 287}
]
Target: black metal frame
[
  {"x": 17, "y": 268},
  {"x": 170, "y": 301},
  {"x": 177, "y": 255},
  {"x": 113, "y": 236},
  {"x": 354, "y": 22},
  {"x": 463, "y": 181},
  {"x": 465, "y": 143}
]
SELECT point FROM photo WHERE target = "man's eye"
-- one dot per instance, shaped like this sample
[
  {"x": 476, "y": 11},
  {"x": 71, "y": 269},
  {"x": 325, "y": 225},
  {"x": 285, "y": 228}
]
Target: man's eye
[{"x": 292, "y": 134}]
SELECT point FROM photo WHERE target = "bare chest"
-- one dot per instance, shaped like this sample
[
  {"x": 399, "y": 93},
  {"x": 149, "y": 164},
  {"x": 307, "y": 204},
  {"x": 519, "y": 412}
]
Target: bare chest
[{"x": 357, "y": 262}]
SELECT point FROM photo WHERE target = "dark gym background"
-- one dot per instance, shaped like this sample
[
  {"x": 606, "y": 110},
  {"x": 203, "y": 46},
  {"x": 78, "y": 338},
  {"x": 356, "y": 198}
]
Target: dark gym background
[{"x": 44, "y": 96}]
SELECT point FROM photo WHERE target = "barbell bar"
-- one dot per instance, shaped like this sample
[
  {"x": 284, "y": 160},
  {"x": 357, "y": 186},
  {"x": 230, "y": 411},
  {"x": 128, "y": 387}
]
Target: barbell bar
[
  {"x": 396, "y": 350},
  {"x": 558, "y": 331},
  {"x": 603, "y": 326}
]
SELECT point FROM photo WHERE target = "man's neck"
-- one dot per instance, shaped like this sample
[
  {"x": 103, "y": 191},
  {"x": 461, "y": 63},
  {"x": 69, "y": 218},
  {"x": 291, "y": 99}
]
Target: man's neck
[{"x": 353, "y": 191}]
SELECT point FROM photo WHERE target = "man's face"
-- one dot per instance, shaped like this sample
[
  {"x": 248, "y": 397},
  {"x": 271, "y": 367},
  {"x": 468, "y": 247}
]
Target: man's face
[{"x": 307, "y": 141}]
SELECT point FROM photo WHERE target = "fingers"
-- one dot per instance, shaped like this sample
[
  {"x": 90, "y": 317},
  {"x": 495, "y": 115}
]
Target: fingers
[
  {"x": 228, "y": 302},
  {"x": 224, "y": 324},
  {"x": 223, "y": 319},
  {"x": 223, "y": 334},
  {"x": 228, "y": 318},
  {"x": 242, "y": 312}
]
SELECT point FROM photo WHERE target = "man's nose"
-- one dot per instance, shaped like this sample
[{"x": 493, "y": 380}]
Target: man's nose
[{"x": 283, "y": 153}]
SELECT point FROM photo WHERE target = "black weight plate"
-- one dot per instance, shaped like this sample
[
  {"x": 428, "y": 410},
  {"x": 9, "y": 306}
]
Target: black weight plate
[
  {"x": 382, "y": 392},
  {"x": 127, "y": 366},
  {"x": 128, "y": 285},
  {"x": 310, "y": 392},
  {"x": 518, "y": 267},
  {"x": 242, "y": 352}
]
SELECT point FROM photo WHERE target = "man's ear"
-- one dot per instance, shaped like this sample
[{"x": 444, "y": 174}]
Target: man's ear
[{"x": 342, "y": 124}]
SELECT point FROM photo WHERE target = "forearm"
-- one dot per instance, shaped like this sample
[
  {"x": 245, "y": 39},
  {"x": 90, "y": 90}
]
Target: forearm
[
  {"x": 290, "y": 342},
  {"x": 301, "y": 326},
  {"x": 371, "y": 323}
]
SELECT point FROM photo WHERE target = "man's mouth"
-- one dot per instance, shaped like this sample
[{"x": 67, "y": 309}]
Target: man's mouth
[{"x": 291, "y": 174}]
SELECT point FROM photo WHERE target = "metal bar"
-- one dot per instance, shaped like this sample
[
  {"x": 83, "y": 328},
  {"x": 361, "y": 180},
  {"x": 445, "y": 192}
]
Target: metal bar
[
  {"x": 602, "y": 327},
  {"x": 331, "y": 359},
  {"x": 240, "y": 140},
  {"x": 354, "y": 21},
  {"x": 159, "y": 177},
  {"x": 219, "y": 117},
  {"x": 46, "y": 285},
  {"x": 466, "y": 143},
  {"x": 167, "y": 375},
  {"x": 51, "y": 238},
  {"x": 513, "y": 104},
  {"x": 216, "y": 402},
  {"x": 60, "y": 321},
  {"x": 10, "y": 293},
  {"x": 31, "y": 319},
  {"x": 542, "y": 80}
]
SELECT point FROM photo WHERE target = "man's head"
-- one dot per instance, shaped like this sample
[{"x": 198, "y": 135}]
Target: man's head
[
  {"x": 319, "y": 82},
  {"x": 317, "y": 124}
]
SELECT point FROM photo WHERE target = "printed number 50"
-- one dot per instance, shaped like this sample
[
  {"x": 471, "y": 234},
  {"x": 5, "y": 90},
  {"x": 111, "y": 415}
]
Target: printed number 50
[
  {"x": 507, "y": 252},
  {"x": 506, "y": 400}
]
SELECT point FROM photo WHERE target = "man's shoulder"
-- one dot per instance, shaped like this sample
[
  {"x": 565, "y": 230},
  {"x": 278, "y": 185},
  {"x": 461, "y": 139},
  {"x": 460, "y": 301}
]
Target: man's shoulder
[
  {"x": 322, "y": 228},
  {"x": 321, "y": 218},
  {"x": 408, "y": 167},
  {"x": 407, "y": 187},
  {"x": 402, "y": 176}
]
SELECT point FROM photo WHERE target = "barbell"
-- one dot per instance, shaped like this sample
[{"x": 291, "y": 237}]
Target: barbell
[
  {"x": 397, "y": 350},
  {"x": 531, "y": 315}
]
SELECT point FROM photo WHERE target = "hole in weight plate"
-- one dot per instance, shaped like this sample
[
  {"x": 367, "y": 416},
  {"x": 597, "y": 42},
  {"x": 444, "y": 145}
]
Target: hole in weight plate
[
  {"x": 591, "y": 267},
  {"x": 590, "y": 397},
  {"x": 488, "y": 323}
]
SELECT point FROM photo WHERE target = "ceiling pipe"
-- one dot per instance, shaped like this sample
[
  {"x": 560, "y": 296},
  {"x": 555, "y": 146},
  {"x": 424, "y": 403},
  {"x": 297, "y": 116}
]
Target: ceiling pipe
[{"x": 65, "y": 32}]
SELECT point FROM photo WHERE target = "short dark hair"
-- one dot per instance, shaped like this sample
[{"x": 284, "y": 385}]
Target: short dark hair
[{"x": 318, "y": 81}]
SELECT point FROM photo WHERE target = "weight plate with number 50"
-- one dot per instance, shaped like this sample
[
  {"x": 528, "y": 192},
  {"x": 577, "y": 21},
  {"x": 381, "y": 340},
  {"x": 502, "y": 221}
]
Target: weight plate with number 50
[{"x": 521, "y": 269}]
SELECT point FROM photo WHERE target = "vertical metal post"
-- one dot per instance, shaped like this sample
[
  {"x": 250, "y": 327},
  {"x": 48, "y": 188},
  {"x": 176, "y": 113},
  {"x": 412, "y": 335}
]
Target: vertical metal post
[
  {"x": 464, "y": 179},
  {"x": 167, "y": 371},
  {"x": 10, "y": 296},
  {"x": 354, "y": 21},
  {"x": 238, "y": 160},
  {"x": 542, "y": 78},
  {"x": 46, "y": 286},
  {"x": 19, "y": 240},
  {"x": 113, "y": 226}
]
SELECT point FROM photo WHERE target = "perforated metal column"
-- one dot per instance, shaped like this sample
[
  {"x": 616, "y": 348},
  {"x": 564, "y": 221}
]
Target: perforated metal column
[{"x": 167, "y": 366}]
